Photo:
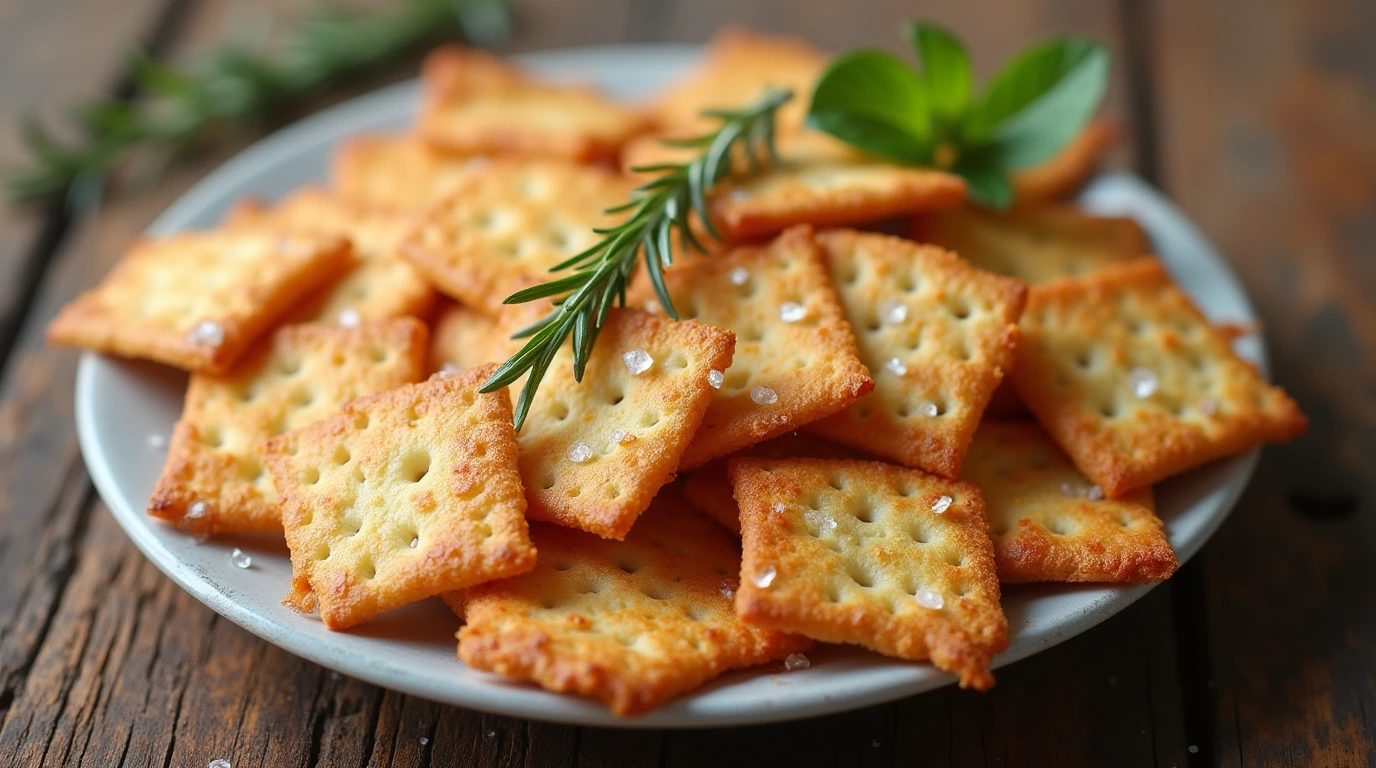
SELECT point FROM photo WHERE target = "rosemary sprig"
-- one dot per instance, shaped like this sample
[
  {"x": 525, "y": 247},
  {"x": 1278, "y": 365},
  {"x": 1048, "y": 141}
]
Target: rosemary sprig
[
  {"x": 233, "y": 86},
  {"x": 667, "y": 204}
]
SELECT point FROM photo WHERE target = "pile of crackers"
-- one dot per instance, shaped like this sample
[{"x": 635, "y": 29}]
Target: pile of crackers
[{"x": 879, "y": 405}]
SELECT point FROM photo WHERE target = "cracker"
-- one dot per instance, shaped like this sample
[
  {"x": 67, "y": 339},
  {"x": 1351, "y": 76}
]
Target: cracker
[
  {"x": 503, "y": 227},
  {"x": 214, "y": 480},
  {"x": 1058, "y": 177},
  {"x": 1033, "y": 244},
  {"x": 1049, "y": 523},
  {"x": 636, "y": 426},
  {"x": 198, "y": 300},
  {"x": 820, "y": 181},
  {"x": 809, "y": 365},
  {"x": 857, "y": 552},
  {"x": 737, "y": 68},
  {"x": 632, "y": 623},
  {"x": 464, "y": 338},
  {"x": 476, "y": 103},
  {"x": 403, "y": 495},
  {"x": 395, "y": 173},
  {"x": 1133, "y": 382},
  {"x": 709, "y": 487},
  {"x": 381, "y": 285},
  {"x": 937, "y": 336}
]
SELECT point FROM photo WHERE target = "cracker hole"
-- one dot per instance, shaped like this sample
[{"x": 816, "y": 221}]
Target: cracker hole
[
  {"x": 559, "y": 410},
  {"x": 1060, "y": 526},
  {"x": 574, "y": 493},
  {"x": 649, "y": 419},
  {"x": 628, "y": 565},
  {"x": 341, "y": 455},
  {"x": 367, "y": 569},
  {"x": 860, "y": 575},
  {"x": 213, "y": 437},
  {"x": 752, "y": 332},
  {"x": 920, "y": 535},
  {"x": 290, "y": 366},
  {"x": 836, "y": 481},
  {"x": 676, "y": 362},
  {"x": 322, "y": 551},
  {"x": 833, "y": 593},
  {"x": 738, "y": 379},
  {"x": 561, "y": 565},
  {"x": 310, "y": 476},
  {"x": 955, "y": 559},
  {"x": 862, "y": 510},
  {"x": 479, "y": 449},
  {"x": 357, "y": 474},
  {"x": 415, "y": 466},
  {"x": 960, "y": 308},
  {"x": 547, "y": 482},
  {"x": 656, "y": 592}
]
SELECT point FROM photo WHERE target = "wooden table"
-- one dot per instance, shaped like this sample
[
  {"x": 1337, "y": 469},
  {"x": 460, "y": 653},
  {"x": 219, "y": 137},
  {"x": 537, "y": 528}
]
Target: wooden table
[{"x": 1259, "y": 118}]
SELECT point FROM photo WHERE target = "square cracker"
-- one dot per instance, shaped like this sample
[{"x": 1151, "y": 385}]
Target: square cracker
[
  {"x": 382, "y": 284},
  {"x": 474, "y": 102},
  {"x": 395, "y": 173},
  {"x": 658, "y": 411},
  {"x": 507, "y": 223},
  {"x": 738, "y": 67},
  {"x": 198, "y": 300},
  {"x": 1032, "y": 244},
  {"x": 633, "y": 623},
  {"x": 1087, "y": 341},
  {"x": 709, "y": 487},
  {"x": 1047, "y": 521},
  {"x": 935, "y": 368},
  {"x": 1057, "y": 177},
  {"x": 300, "y": 375},
  {"x": 856, "y": 552},
  {"x": 403, "y": 495},
  {"x": 810, "y": 364},
  {"x": 463, "y": 337},
  {"x": 819, "y": 181}
]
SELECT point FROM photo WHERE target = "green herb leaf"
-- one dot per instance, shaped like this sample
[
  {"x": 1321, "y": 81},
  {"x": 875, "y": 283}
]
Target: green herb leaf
[
  {"x": 986, "y": 182},
  {"x": 874, "y": 101},
  {"x": 946, "y": 66},
  {"x": 1040, "y": 100}
]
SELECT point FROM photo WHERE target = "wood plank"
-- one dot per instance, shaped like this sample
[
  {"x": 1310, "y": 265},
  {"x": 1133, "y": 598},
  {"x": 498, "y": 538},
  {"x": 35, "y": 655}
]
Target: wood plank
[{"x": 1267, "y": 113}]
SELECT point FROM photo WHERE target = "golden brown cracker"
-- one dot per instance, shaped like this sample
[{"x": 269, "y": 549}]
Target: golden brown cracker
[
  {"x": 892, "y": 559},
  {"x": 214, "y": 480},
  {"x": 198, "y": 300},
  {"x": 396, "y": 172},
  {"x": 503, "y": 227},
  {"x": 1033, "y": 244},
  {"x": 593, "y": 454},
  {"x": 1058, "y": 177},
  {"x": 709, "y": 487},
  {"x": 1133, "y": 382},
  {"x": 403, "y": 495},
  {"x": 632, "y": 623},
  {"x": 1050, "y": 523},
  {"x": 382, "y": 284},
  {"x": 739, "y": 66},
  {"x": 474, "y": 102},
  {"x": 786, "y": 372},
  {"x": 819, "y": 181},
  {"x": 937, "y": 335},
  {"x": 463, "y": 337}
]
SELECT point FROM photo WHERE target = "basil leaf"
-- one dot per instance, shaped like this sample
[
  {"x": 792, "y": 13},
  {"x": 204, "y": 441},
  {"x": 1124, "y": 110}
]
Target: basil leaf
[
  {"x": 986, "y": 183},
  {"x": 949, "y": 78},
  {"x": 875, "y": 101},
  {"x": 1061, "y": 72}
]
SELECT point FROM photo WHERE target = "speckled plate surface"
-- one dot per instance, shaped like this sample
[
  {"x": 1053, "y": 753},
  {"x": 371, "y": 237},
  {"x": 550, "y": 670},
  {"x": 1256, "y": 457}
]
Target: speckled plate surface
[{"x": 120, "y": 404}]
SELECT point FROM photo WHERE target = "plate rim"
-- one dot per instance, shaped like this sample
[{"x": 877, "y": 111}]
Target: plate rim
[{"x": 333, "y": 123}]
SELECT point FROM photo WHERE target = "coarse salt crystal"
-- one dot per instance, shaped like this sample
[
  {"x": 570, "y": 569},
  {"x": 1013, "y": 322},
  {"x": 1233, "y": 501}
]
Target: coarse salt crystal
[
  {"x": 795, "y": 662},
  {"x": 424, "y": 740},
  {"x": 942, "y": 504},
  {"x": 637, "y": 361},
  {"x": 447, "y": 370},
  {"x": 727, "y": 590},
  {"x": 219, "y": 762},
  {"x": 764, "y": 396},
  {"x": 792, "y": 312},
  {"x": 765, "y": 577},
  {"x": 738, "y": 276},
  {"x": 821, "y": 521},
  {"x": 929, "y": 598},
  {"x": 207, "y": 332},
  {"x": 893, "y": 312},
  {"x": 622, "y": 437},
  {"x": 240, "y": 558},
  {"x": 580, "y": 452},
  {"x": 196, "y": 511},
  {"x": 653, "y": 307},
  {"x": 896, "y": 366},
  {"x": 928, "y": 408},
  {"x": 415, "y": 542},
  {"x": 715, "y": 378},
  {"x": 157, "y": 442},
  {"x": 1095, "y": 493},
  {"x": 349, "y": 318},
  {"x": 779, "y": 506},
  {"x": 1069, "y": 490},
  {"x": 1143, "y": 383}
]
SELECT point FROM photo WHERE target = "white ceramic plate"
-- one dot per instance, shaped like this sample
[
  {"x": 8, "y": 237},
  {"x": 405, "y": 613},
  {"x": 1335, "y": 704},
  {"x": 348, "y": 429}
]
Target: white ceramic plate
[{"x": 120, "y": 404}]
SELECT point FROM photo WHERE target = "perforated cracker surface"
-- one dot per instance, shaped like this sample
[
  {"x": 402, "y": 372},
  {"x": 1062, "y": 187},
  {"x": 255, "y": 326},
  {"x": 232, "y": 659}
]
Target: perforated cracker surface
[
  {"x": 1032, "y": 244},
  {"x": 808, "y": 366},
  {"x": 403, "y": 495},
  {"x": 198, "y": 300},
  {"x": 1050, "y": 523},
  {"x": 382, "y": 284},
  {"x": 859, "y": 552},
  {"x": 504, "y": 226},
  {"x": 301, "y": 374},
  {"x": 1134, "y": 384},
  {"x": 475, "y": 103},
  {"x": 937, "y": 336},
  {"x": 632, "y": 623},
  {"x": 396, "y": 172},
  {"x": 635, "y": 426},
  {"x": 463, "y": 337}
]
